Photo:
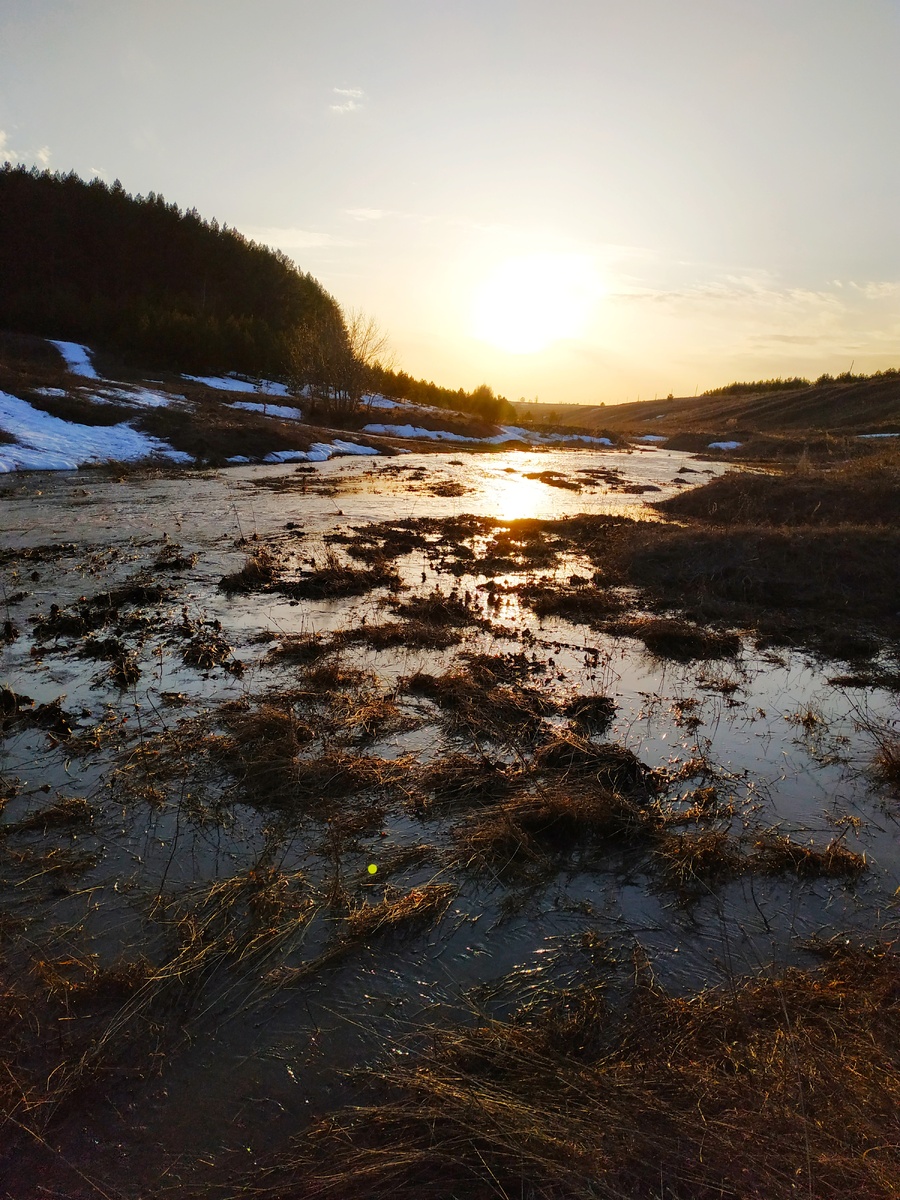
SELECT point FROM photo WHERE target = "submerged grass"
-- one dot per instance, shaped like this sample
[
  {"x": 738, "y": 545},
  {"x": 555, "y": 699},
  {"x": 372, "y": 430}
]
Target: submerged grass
[{"x": 770, "y": 1088}]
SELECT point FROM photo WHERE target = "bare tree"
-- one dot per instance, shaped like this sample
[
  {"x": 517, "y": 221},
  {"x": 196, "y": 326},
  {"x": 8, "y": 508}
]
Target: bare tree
[{"x": 333, "y": 359}]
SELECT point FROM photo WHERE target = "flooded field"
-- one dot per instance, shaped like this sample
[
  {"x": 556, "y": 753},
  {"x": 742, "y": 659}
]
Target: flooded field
[{"x": 303, "y": 765}]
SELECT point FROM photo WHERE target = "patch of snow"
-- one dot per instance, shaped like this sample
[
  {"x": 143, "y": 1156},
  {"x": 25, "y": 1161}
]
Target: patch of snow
[
  {"x": 144, "y": 397},
  {"x": 376, "y": 401},
  {"x": 877, "y": 435},
  {"x": 342, "y": 447},
  {"x": 415, "y": 431},
  {"x": 508, "y": 433},
  {"x": 231, "y": 383},
  {"x": 77, "y": 358},
  {"x": 51, "y": 391},
  {"x": 269, "y": 410},
  {"x": 651, "y": 437},
  {"x": 724, "y": 445},
  {"x": 286, "y": 456},
  {"x": 46, "y": 443},
  {"x": 238, "y": 459}
]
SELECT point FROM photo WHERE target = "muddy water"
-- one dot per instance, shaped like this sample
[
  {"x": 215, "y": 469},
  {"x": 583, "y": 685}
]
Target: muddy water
[{"x": 786, "y": 745}]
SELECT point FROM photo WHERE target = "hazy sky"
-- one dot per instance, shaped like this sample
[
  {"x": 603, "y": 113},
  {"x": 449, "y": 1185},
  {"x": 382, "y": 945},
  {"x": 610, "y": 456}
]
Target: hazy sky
[{"x": 576, "y": 199}]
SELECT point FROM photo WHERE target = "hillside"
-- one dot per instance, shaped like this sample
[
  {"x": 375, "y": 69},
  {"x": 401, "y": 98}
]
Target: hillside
[
  {"x": 137, "y": 275},
  {"x": 856, "y": 406}
]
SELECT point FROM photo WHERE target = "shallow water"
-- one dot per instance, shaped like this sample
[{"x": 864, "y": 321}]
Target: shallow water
[{"x": 786, "y": 749}]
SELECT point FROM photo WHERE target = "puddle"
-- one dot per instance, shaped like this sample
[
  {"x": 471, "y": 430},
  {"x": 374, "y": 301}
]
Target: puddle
[{"x": 764, "y": 740}]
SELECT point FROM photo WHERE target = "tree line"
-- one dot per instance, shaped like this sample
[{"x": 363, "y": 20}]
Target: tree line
[{"x": 165, "y": 288}]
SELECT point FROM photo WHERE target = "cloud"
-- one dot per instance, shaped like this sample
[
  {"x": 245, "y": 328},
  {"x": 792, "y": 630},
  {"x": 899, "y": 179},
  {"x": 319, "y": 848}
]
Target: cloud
[
  {"x": 7, "y": 154},
  {"x": 366, "y": 214},
  {"x": 293, "y": 238},
  {"x": 876, "y": 291},
  {"x": 351, "y": 100}
]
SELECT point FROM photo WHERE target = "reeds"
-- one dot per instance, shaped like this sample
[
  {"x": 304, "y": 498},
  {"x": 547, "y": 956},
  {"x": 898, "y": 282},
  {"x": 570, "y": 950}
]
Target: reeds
[{"x": 768, "y": 1088}]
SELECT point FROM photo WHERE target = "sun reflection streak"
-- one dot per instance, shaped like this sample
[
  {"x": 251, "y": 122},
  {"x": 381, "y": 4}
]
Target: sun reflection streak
[{"x": 510, "y": 497}]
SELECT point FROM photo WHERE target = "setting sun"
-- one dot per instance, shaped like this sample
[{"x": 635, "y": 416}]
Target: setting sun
[{"x": 528, "y": 303}]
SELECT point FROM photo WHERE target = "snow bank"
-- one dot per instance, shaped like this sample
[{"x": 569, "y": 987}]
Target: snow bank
[
  {"x": 285, "y": 456},
  {"x": 318, "y": 452},
  {"x": 877, "y": 435},
  {"x": 724, "y": 445},
  {"x": 352, "y": 448},
  {"x": 231, "y": 383},
  {"x": 143, "y": 397},
  {"x": 415, "y": 431},
  {"x": 46, "y": 443},
  {"x": 651, "y": 437},
  {"x": 508, "y": 433},
  {"x": 77, "y": 358},
  {"x": 269, "y": 410},
  {"x": 381, "y": 402}
]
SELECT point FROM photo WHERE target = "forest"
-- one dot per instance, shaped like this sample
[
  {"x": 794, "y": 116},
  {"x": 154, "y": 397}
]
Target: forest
[{"x": 163, "y": 287}]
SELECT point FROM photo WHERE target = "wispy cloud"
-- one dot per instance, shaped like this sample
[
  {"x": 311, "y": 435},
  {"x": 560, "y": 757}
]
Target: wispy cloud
[
  {"x": 350, "y": 100},
  {"x": 7, "y": 154},
  {"x": 366, "y": 214},
  {"x": 294, "y": 239}
]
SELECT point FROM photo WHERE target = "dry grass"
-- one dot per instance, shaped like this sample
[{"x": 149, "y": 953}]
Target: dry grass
[
  {"x": 302, "y": 648},
  {"x": 610, "y": 765},
  {"x": 461, "y": 781},
  {"x": 331, "y": 578},
  {"x": 698, "y": 861},
  {"x": 677, "y": 639},
  {"x": 258, "y": 573},
  {"x": 887, "y": 761},
  {"x": 863, "y": 493},
  {"x": 583, "y": 605},
  {"x": 397, "y": 911},
  {"x": 439, "y": 609},
  {"x": 767, "y": 1090},
  {"x": 590, "y": 714},
  {"x": 413, "y": 634},
  {"x": 541, "y": 827},
  {"x": 484, "y": 711},
  {"x": 776, "y": 853}
]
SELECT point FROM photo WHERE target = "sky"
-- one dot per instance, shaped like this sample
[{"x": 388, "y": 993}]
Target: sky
[{"x": 571, "y": 200}]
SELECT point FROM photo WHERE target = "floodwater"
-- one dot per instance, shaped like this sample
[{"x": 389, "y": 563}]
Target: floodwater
[{"x": 787, "y": 742}]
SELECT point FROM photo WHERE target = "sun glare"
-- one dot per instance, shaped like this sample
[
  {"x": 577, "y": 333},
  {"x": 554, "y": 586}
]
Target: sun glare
[{"x": 528, "y": 303}]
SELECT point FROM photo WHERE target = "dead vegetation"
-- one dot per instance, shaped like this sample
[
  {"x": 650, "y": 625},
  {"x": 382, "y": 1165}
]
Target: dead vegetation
[
  {"x": 682, "y": 641},
  {"x": 539, "y": 828},
  {"x": 778, "y": 853},
  {"x": 765, "y": 1088}
]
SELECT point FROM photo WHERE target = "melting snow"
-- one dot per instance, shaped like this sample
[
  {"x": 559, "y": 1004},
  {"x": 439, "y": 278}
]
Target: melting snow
[
  {"x": 508, "y": 433},
  {"x": 877, "y": 435},
  {"x": 415, "y": 431},
  {"x": 269, "y": 410},
  {"x": 381, "y": 402},
  {"x": 651, "y": 437},
  {"x": 724, "y": 445},
  {"x": 145, "y": 397},
  {"x": 318, "y": 452},
  {"x": 46, "y": 443},
  {"x": 77, "y": 358},
  {"x": 230, "y": 383}
]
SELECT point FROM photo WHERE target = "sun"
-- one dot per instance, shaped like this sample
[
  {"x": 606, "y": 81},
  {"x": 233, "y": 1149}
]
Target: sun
[{"x": 528, "y": 303}]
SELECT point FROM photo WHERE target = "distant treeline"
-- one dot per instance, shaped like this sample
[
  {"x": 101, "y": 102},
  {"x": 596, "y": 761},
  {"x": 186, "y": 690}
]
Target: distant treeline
[
  {"x": 758, "y": 386},
  {"x": 164, "y": 287},
  {"x": 482, "y": 401}
]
